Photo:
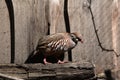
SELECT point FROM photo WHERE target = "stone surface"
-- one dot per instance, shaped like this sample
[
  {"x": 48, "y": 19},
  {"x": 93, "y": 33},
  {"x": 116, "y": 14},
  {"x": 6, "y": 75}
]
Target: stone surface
[{"x": 69, "y": 71}]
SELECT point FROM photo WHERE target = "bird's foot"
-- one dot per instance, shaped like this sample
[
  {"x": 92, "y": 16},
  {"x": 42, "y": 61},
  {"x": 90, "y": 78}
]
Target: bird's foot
[
  {"x": 45, "y": 61},
  {"x": 62, "y": 62}
]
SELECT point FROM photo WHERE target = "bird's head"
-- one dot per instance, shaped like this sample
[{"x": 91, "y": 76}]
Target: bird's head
[{"x": 76, "y": 37}]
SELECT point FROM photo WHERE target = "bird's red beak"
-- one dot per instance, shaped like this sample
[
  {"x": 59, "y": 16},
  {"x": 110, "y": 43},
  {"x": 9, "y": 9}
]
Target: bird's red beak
[{"x": 80, "y": 40}]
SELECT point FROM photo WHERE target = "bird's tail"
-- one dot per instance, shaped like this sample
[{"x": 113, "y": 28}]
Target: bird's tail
[
  {"x": 35, "y": 57},
  {"x": 29, "y": 57}
]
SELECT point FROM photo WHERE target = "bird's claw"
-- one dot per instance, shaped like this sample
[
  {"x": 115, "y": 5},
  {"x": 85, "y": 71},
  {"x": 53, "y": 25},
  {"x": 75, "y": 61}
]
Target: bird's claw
[{"x": 62, "y": 62}]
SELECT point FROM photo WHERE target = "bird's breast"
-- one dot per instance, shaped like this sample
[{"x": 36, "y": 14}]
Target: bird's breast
[{"x": 71, "y": 44}]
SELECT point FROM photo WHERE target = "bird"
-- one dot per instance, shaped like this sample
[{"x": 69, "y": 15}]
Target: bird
[{"x": 56, "y": 44}]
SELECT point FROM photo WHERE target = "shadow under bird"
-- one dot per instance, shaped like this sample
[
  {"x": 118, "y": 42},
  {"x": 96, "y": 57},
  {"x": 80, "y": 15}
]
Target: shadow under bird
[{"x": 54, "y": 45}]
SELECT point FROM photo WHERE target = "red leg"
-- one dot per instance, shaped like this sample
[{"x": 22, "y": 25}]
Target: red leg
[{"x": 45, "y": 61}]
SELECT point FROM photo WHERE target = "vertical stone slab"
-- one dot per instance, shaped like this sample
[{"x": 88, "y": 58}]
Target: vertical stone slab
[
  {"x": 29, "y": 26},
  {"x": 5, "y": 52}
]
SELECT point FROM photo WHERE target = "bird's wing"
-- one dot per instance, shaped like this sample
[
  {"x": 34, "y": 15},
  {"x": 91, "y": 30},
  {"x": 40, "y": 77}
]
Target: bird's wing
[{"x": 55, "y": 41}]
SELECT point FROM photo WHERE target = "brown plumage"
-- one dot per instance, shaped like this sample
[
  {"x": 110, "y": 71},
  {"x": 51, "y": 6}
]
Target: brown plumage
[{"x": 57, "y": 44}]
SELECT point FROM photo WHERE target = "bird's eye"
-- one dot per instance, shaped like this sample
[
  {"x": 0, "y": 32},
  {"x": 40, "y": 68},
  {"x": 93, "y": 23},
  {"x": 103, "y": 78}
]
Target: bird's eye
[{"x": 72, "y": 36}]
